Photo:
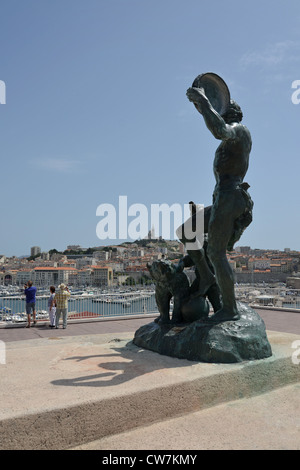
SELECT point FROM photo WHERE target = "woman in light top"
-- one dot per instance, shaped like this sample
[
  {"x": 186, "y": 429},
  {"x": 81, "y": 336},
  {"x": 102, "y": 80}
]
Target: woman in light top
[{"x": 52, "y": 307}]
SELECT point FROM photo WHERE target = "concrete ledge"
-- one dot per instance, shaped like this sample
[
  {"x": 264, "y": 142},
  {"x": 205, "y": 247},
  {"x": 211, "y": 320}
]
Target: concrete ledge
[
  {"x": 84, "y": 320},
  {"x": 277, "y": 309},
  {"x": 58, "y": 393}
]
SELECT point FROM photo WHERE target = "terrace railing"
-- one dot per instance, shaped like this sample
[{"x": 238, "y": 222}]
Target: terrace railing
[
  {"x": 13, "y": 308},
  {"x": 140, "y": 302}
]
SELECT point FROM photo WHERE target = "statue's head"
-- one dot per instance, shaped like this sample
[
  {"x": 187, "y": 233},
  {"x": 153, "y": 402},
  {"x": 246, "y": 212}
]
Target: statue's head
[
  {"x": 233, "y": 113},
  {"x": 161, "y": 269}
]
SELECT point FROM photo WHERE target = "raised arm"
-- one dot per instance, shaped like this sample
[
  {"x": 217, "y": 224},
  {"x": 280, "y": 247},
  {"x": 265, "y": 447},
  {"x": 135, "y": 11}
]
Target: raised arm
[{"x": 214, "y": 122}]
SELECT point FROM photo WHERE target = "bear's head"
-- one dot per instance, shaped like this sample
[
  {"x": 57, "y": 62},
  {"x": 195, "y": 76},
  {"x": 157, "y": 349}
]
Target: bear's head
[{"x": 161, "y": 271}]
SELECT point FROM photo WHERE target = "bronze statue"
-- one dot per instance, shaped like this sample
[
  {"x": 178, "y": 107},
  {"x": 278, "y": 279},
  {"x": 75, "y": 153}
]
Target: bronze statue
[
  {"x": 234, "y": 332},
  {"x": 231, "y": 211},
  {"x": 172, "y": 282}
]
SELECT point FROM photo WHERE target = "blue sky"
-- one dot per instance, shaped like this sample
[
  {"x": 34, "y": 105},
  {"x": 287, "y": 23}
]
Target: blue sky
[{"x": 96, "y": 108}]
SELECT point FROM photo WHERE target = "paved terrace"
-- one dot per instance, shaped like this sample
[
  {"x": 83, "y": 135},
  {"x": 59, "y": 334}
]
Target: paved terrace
[
  {"x": 88, "y": 387},
  {"x": 286, "y": 321}
]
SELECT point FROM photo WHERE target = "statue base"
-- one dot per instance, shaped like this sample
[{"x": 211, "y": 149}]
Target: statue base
[{"x": 225, "y": 342}]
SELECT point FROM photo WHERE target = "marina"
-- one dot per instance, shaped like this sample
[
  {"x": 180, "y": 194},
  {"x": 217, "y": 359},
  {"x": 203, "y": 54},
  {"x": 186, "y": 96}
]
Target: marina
[
  {"x": 82, "y": 304},
  {"x": 93, "y": 303},
  {"x": 268, "y": 295}
]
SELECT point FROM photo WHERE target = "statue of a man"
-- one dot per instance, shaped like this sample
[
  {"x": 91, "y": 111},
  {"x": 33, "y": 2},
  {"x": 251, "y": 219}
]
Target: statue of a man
[{"x": 231, "y": 211}]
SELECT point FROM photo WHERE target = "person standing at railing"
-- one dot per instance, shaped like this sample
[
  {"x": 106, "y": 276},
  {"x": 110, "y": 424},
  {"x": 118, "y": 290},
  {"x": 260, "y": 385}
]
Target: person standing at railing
[
  {"x": 30, "y": 292},
  {"x": 52, "y": 307},
  {"x": 61, "y": 298}
]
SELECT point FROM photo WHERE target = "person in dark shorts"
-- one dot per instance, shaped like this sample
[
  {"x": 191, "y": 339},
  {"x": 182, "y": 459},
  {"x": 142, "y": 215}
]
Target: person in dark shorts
[{"x": 30, "y": 292}]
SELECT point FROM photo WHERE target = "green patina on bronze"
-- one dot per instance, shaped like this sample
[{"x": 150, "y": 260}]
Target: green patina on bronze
[{"x": 243, "y": 334}]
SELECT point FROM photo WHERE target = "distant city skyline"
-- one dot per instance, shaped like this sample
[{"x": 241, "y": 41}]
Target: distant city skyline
[
  {"x": 95, "y": 107},
  {"x": 63, "y": 249},
  {"x": 129, "y": 263}
]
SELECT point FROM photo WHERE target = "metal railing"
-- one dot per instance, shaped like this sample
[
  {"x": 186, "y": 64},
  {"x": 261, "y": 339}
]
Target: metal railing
[
  {"x": 13, "y": 308},
  {"x": 136, "y": 302}
]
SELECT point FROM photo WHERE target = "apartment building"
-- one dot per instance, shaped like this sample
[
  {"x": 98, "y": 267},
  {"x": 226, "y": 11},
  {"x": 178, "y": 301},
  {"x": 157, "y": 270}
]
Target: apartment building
[
  {"x": 35, "y": 250},
  {"x": 23, "y": 276},
  {"x": 102, "y": 276},
  {"x": 43, "y": 276},
  {"x": 258, "y": 263}
]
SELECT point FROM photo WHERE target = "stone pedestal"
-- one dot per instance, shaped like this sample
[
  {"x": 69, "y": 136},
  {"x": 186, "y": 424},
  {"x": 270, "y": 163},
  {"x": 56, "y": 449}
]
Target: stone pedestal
[{"x": 226, "y": 342}]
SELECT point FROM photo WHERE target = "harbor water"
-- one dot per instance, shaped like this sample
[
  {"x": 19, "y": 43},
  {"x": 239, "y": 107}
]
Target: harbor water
[{"x": 101, "y": 305}]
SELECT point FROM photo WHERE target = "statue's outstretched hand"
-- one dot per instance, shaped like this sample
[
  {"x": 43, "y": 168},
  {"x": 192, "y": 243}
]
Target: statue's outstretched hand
[{"x": 196, "y": 95}]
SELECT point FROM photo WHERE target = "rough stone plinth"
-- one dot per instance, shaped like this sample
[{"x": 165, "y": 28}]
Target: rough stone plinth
[{"x": 226, "y": 342}]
